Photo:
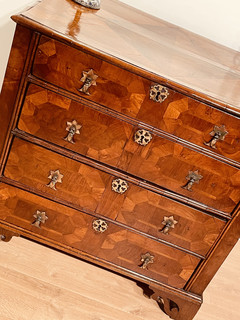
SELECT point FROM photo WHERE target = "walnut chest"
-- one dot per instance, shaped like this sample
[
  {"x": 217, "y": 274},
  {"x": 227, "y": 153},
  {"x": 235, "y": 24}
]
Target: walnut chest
[{"x": 120, "y": 144}]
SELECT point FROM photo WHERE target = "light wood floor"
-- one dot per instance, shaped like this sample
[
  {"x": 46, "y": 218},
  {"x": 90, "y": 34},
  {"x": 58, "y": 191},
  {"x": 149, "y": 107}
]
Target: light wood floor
[{"x": 37, "y": 283}]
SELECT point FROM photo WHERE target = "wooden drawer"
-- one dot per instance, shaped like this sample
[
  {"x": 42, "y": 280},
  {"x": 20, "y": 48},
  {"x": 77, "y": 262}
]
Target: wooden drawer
[
  {"x": 146, "y": 211},
  {"x": 81, "y": 185},
  {"x": 128, "y": 93},
  {"x": 71, "y": 228},
  {"x": 169, "y": 164},
  {"x": 45, "y": 114},
  {"x": 63, "y": 66},
  {"x": 91, "y": 189},
  {"x": 110, "y": 140},
  {"x": 195, "y": 122}
]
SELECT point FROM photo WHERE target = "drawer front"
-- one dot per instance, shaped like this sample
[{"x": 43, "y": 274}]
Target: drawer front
[
  {"x": 63, "y": 66},
  {"x": 45, "y": 114},
  {"x": 151, "y": 213},
  {"x": 51, "y": 117},
  {"x": 91, "y": 189},
  {"x": 128, "y": 93},
  {"x": 115, "y": 245},
  {"x": 195, "y": 122},
  {"x": 36, "y": 167},
  {"x": 171, "y": 166}
]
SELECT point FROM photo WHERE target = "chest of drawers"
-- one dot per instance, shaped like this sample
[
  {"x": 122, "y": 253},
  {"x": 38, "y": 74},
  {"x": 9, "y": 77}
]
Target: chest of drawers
[{"x": 120, "y": 145}]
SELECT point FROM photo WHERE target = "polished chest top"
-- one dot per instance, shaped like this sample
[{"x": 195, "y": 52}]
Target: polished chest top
[{"x": 113, "y": 151}]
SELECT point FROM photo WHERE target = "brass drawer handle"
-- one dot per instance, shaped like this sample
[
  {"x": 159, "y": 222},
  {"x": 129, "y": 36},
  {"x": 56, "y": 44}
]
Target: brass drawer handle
[
  {"x": 55, "y": 176},
  {"x": 119, "y": 185},
  {"x": 72, "y": 128},
  {"x": 93, "y": 4},
  {"x": 192, "y": 177},
  {"x": 89, "y": 79},
  {"x": 142, "y": 137},
  {"x": 146, "y": 259},
  {"x": 218, "y": 134},
  {"x": 100, "y": 225},
  {"x": 40, "y": 217},
  {"x": 169, "y": 223},
  {"x": 158, "y": 93}
]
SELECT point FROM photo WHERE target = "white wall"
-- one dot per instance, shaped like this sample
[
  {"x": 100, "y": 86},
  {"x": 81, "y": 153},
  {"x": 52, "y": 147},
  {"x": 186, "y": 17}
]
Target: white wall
[
  {"x": 215, "y": 19},
  {"x": 7, "y": 27},
  {"x": 218, "y": 20}
]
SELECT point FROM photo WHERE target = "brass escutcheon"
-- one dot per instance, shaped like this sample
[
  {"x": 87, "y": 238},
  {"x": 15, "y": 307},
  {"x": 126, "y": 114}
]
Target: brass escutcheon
[
  {"x": 142, "y": 137},
  {"x": 100, "y": 225},
  {"x": 158, "y": 93},
  {"x": 119, "y": 185}
]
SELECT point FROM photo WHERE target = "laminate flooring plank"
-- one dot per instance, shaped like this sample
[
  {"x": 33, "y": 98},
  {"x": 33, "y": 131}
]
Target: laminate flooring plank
[
  {"x": 42, "y": 284},
  {"x": 37, "y": 262},
  {"x": 32, "y": 298}
]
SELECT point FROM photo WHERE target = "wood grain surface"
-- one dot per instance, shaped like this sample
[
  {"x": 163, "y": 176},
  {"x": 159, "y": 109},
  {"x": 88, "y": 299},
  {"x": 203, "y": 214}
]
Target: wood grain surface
[
  {"x": 45, "y": 115},
  {"x": 9, "y": 93},
  {"x": 39, "y": 283},
  {"x": 129, "y": 53},
  {"x": 163, "y": 162},
  {"x": 168, "y": 164},
  {"x": 129, "y": 94},
  {"x": 81, "y": 184},
  {"x": 91, "y": 190},
  {"x": 145, "y": 211},
  {"x": 116, "y": 245},
  {"x": 147, "y": 43}
]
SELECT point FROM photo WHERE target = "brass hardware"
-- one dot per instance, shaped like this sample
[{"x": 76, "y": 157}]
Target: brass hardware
[
  {"x": 55, "y": 177},
  {"x": 119, "y": 186},
  {"x": 158, "y": 93},
  {"x": 93, "y": 4},
  {"x": 142, "y": 137},
  {"x": 89, "y": 79},
  {"x": 146, "y": 259},
  {"x": 218, "y": 133},
  {"x": 100, "y": 225},
  {"x": 168, "y": 222},
  {"x": 72, "y": 128},
  {"x": 40, "y": 217},
  {"x": 192, "y": 177}
]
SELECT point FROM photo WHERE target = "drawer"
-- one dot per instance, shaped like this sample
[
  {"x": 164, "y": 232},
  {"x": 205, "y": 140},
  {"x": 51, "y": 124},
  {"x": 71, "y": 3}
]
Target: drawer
[
  {"x": 74, "y": 229},
  {"x": 91, "y": 189},
  {"x": 45, "y": 114},
  {"x": 150, "y": 213},
  {"x": 78, "y": 183},
  {"x": 129, "y": 94},
  {"x": 195, "y": 122},
  {"x": 172, "y": 166},
  {"x": 63, "y": 66}
]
